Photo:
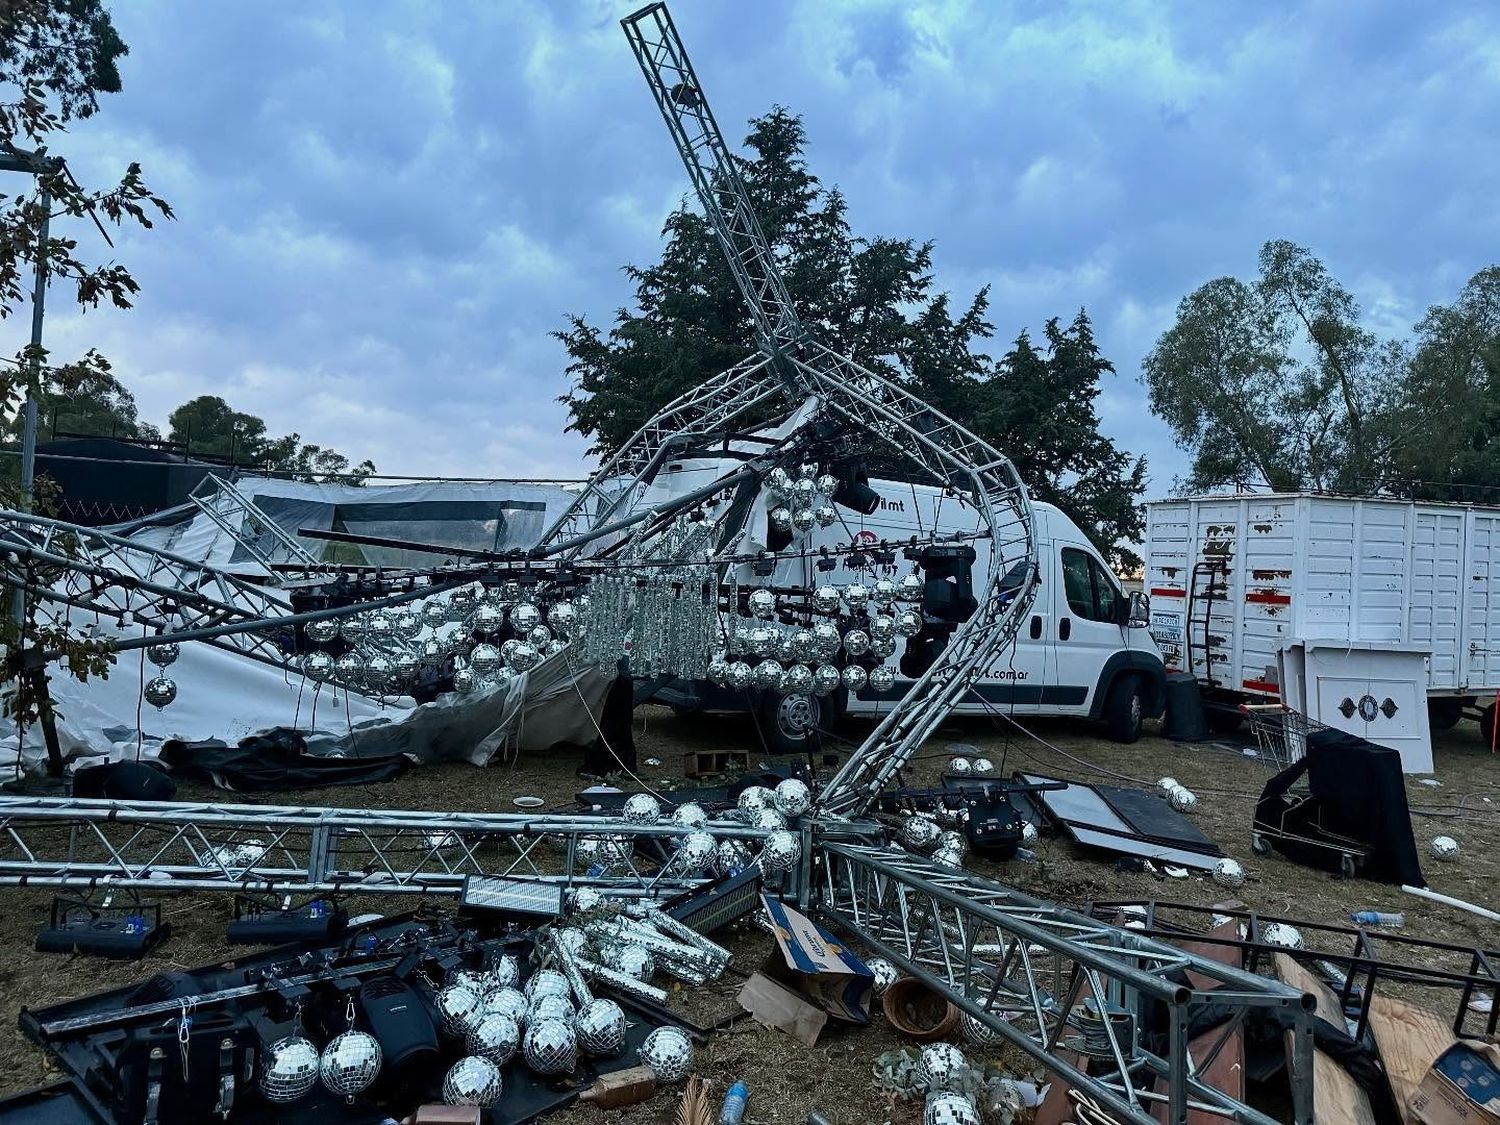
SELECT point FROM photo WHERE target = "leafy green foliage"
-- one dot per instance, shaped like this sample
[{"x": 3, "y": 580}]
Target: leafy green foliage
[
  {"x": 209, "y": 426},
  {"x": 873, "y": 299}
]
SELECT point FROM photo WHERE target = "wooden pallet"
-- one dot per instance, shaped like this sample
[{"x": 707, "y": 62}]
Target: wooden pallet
[{"x": 711, "y": 763}]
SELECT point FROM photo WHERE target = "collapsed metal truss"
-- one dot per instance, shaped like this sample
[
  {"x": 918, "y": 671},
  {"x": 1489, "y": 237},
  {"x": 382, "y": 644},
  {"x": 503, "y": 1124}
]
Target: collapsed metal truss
[
  {"x": 239, "y": 517},
  {"x": 89, "y": 844},
  {"x": 1026, "y": 968}
]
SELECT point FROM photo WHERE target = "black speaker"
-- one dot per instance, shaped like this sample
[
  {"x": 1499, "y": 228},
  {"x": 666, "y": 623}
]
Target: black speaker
[{"x": 397, "y": 1016}]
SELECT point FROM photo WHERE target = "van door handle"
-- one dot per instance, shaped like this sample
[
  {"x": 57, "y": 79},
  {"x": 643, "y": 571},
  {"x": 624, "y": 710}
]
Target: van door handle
[
  {"x": 1064, "y": 628},
  {"x": 1036, "y": 627}
]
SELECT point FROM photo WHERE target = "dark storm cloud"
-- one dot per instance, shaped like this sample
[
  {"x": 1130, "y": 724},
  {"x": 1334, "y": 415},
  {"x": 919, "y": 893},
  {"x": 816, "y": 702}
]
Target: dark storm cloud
[{"x": 385, "y": 208}]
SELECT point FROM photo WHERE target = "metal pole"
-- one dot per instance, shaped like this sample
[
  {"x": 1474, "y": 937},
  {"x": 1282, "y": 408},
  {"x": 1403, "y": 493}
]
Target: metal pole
[{"x": 38, "y": 302}]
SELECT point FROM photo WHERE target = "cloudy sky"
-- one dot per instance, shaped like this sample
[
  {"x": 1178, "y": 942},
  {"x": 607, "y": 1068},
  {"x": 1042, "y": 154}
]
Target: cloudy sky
[{"x": 385, "y": 208}]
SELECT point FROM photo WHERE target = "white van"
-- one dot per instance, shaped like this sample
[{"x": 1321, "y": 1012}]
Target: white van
[{"x": 1080, "y": 650}]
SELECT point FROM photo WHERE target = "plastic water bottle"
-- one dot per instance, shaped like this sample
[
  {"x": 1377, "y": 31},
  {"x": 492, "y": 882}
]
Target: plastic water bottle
[
  {"x": 1378, "y": 918},
  {"x": 733, "y": 1111}
]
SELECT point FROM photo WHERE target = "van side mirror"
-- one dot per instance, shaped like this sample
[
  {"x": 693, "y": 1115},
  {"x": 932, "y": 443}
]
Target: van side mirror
[{"x": 1137, "y": 611}]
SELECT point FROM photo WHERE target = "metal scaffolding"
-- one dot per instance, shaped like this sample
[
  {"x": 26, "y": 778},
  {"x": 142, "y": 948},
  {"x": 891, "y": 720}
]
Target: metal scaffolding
[{"x": 239, "y": 518}]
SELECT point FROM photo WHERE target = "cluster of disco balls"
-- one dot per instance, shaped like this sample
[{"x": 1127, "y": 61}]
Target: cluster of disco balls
[
  {"x": 293, "y": 1065},
  {"x": 762, "y": 653},
  {"x": 161, "y": 689},
  {"x": 798, "y": 502},
  {"x": 1179, "y": 796},
  {"x": 941, "y": 1069},
  {"x": 921, "y": 833},
  {"x": 487, "y": 636}
]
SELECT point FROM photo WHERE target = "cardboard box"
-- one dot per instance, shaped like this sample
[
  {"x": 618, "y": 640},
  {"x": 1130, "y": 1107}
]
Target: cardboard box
[
  {"x": 1462, "y": 1088},
  {"x": 810, "y": 977}
]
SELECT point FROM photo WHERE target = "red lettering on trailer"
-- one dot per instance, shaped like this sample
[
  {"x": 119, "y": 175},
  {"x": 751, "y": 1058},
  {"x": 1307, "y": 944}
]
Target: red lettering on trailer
[
  {"x": 1167, "y": 592},
  {"x": 1262, "y": 686},
  {"x": 1268, "y": 597}
]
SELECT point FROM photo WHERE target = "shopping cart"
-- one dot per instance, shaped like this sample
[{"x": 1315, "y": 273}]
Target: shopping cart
[{"x": 1280, "y": 733}]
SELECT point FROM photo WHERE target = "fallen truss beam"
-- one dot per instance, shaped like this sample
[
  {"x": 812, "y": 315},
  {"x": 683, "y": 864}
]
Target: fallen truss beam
[
  {"x": 82, "y": 844},
  {"x": 1039, "y": 976}
]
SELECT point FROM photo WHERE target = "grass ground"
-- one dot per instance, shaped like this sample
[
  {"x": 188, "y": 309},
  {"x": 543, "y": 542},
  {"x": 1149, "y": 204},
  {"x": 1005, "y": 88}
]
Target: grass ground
[{"x": 785, "y": 1078}]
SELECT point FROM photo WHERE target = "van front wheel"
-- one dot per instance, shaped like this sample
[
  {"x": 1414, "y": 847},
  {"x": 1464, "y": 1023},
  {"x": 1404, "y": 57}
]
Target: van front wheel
[{"x": 1123, "y": 708}]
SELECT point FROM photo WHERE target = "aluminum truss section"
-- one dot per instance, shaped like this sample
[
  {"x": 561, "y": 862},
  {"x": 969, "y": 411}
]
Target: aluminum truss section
[
  {"x": 1030, "y": 971},
  {"x": 239, "y": 518},
  {"x": 80, "y": 844}
]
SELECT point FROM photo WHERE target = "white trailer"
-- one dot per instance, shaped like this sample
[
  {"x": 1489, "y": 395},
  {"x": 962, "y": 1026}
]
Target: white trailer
[{"x": 1371, "y": 615}]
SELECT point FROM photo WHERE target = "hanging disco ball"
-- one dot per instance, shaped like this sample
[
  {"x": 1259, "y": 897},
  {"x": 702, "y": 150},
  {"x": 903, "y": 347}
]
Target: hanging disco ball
[
  {"x": 768, "y": 675},
  {"x": 545, "y": 1008},
  {"x": 322, "y": 631},
  {"x": 432, "y": 650},
  {"x": 882, "y": 678},
  {"x": 919, "y": 832},
  {"x": 159, "y": 691},
  {"x": 601, "y": 1029},
  {"x": 718, "y": 670},
  {"x": 1229, "y": 873},
  {"x": 882, "y": 628},
  {"x": 689, "y": 815},
  {"x": 792, "y": 797},
  {"x": 798, "y": 681},
  {"x": 856, "y": 595},
  {"x": 554, "y": 647},
  {"x": 642, "y": 808},
  {"x": 406, "y": 625},
  {"x": 350, "y": 1063},
  {"x": 884, "y": 972},
  {"x": 856, "y": 642},
  {"x": 826, "y": 599},
  {"x": 769, "y": 820},
  {"x": 378, "y": 671},
  {"x": 884, "y": 592},
  {"x": 458, "y": 1007},
  {"x": 825, "y": 679},
  {"x": 525, "y": 657},
  {"x": 697, "y": 850},
  {"x": 781, "y": 519},
  {"x": 751, "y": 801},
  {"x": 855, "y": 677},
  {"x": 763, "y": 641},
  {"x": 635, "y": 961},
  {"x": 669, "y": 1053},
  {"x": 506, "y": 1001},
  {"x": 563, "y": 618},
  {"x": 911, "y": 587},
  {"x": 349, "y": 668},
  {"x": 434, "y": 615},
  {"x": 547, "y": 982},
  {"x": 960, "y": 765},
  {"x": 781, "y": 851},
  {"x": 804, "y": 648},
  {"x": 508, "y": 649},
  {"x": 882, "y": 648},
  {"x": 353, "y": 628},
  {"x": 539, "y": 636},
  {"x": 379, "y": 624},
  {"x": 825, "y": 515},
  {"x": 485, "y": 660},
  {"x": 949, "y": 1108},
  {"x": 289, "y": 1069},
  {"x": 489, "y": 619},
  {"x": 464, "y": 681},
  {"x": 163, "y": 655},
  {"x": 778, "y": 480},
  {"x": 826, "y": 483},
  {"x": 805, "y": 492},
  {"x": 762, "y": 604},
  {"x": 472, "y": 1081},
  {"x": 494, "y": 1036},
  {"x": 908, "y": 623},
  {"x": 939, "y": 1066},
  {"x": 732, "y": 856},
  {"x": 803, "y": 519},
  {"x": 786, "y": 651},
  {"x": 740, "y": 675},
  {"x": 318, "y": 667},
  {"x": 808, "y": 471},
  {"x": 406, "y": 666},
  {"x": 1443, "y": 847}
]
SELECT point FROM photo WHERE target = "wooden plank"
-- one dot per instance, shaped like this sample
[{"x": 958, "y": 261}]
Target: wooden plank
[
  {"x": 1227, "y": 1071},
  {"x": 1410, "y": 1039},
  {"x": 1337, "y": 1098},
  {"x": 1056, "y": 1108}
]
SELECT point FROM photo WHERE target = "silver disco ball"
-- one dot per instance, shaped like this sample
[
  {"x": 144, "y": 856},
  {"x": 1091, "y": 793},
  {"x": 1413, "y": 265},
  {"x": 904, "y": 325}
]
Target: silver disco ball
[
  {"x": 378, "y": 670},
  {"x": 159, "y": 691},
  {"x": 827, "y": 483},
  {"x": 977, "y": 1033},
  {"x": 163, "y": 654},
  {"x": 939, "y": 1066},
  {"x": 1029, "y": 833},
  {"x": 950, "y": 1109},
  {"x": 856, "y": 595},
  {"x": 539, "y": 636},
  {"x": 908, "y": 623},
  {"x": 763, "y": 641},
  {"x": 458, "y": 1007},
  {"x": 884, "y": 592},
  {"x": 489, "y": 619},
  {"x": 809, "y": 472},
  {"x": 504, "y": 973},
  {"x": 601, "y": 1029},
  {"x": 571, "y": 939},
  {"x": 826, "y": 639},
  {"x": 697, "y": 850},
  {"x": 826, "y": 679},
  {"x": 525, "y": 657},
  {"x": 882, "y": 629},
  {"x": 563, "y": 618},
  {"x": 803, "y": 519},
  {"x": 911, "y": 587},
  {"x": 919, "y": 832},
  {"x": 792, "y": 797},
  {"x": 407, "y": 625},
  {"x": 550, "y": 1008},
  {"x": 550, "y": 1047},
  {"x": 689, "y": 814},
  {"x": 959, "y": 765},
  {"x": 781, "y": 519},
  {"x": 856, "y": 642},
  {"x": 554, "y": 647},
  {"x": 882, "y": 647},
  {"x": 885, "y": 973},
  {"x": 1283, "y": 934},
  {"x": 855, "y": 677},
  {"x": 472, "y": 1081},
  {"x": 798, "y": 680},
  {"x": 508, "y": 649},
  {"x": 768, "y": 675},
  {"x": 289, "y": 1069},
  {"x": 752, "y": 801},
  {"x": 586, "y": 899},
  {"x": 406, "y": 666},
  {"x": 321, "y": 632},
  {"x": 379, "y": 624},
  {"x": 546, "y": 982},
  {"x": 781, "y": 851},
  {"x": 469, "y": 978},
  {"x": 824, "y": 515},
  {"x": 318, "y": 667},
  {"x": 1165, "y": 785},
  {"x": 804, "y": 648},
  {"x": 464, "y": 681},
  {"x": 740, "y": 675},
  {"x": 434, "y": 615},
  {"x": 762, "y": 604},
  {"x": 953, "y": 841},
  {"x": 826, "y": 599},
  {"x": 350, "y": 1063},
  {"x": 948, "y": 857},
  {"x": 1182, "y": 799},
  {"x": 732, "y": 857},
  {"x": 804, "y": 491},
  {"x": 778, "y": 481},
  {"x": 485, "y": 660},
  {"x": 668, "y": 1051},
  {"x": 882, "y": 678},
  {"x": 1229, "y": 873},
  {"x": 718, "y": 670},
  {"x": 505, "y": 1001},
  {"x": 353, "y": 628},
  {"x": 642, "y": 808},
  {"x": 769, "y": 820},
  {"x": 1443, "y": 847},
  {"x": 525, "y": 617},
  {"x": 982, "y": 765},
  {"x": 634, "y": 961},
  {"x": 494, "y": 1036}
]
